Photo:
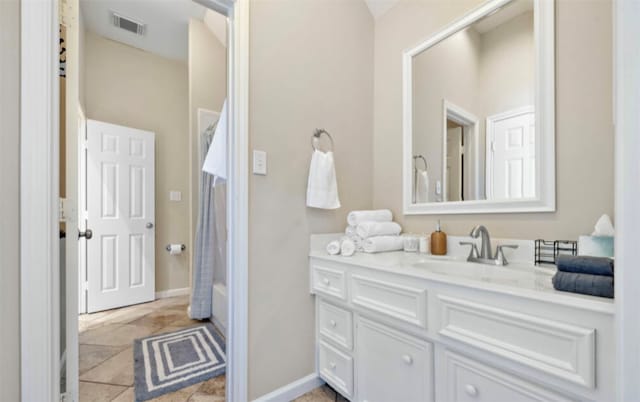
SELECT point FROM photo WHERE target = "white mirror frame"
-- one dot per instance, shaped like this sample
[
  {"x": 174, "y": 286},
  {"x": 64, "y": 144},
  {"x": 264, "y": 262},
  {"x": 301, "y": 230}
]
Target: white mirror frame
[{"x": 544, "y": 32}]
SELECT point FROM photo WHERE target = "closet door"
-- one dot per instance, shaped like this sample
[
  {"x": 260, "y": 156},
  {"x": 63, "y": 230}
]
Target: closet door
[{"x": 392, "y": 366}]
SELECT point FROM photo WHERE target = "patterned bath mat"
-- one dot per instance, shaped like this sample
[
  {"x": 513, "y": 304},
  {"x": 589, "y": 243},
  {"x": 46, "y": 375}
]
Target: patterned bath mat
[{"x": 168, "y": 362}]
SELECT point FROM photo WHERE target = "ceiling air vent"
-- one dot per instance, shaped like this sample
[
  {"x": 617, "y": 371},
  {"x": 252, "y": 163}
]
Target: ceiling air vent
[{"x": 128, "y": 24}]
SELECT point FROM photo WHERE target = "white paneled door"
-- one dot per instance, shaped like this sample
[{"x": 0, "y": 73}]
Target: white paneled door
[
  {"x": 121, "y": 214},
  {"x": 511, "y": 159}
]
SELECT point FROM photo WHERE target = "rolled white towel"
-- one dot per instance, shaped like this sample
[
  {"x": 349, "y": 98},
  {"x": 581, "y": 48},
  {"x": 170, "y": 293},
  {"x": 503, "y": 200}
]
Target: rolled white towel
[
  {"x": 358, "y": 241},
  {"x": 370, "y": 229},
  {"x": 350, "y": 231},
  {"x": 333, "y": 248},
  {"x": 347, "y": 247},
  {"x": 378, "y": 215},
  {"x": 380, "y": 244}
]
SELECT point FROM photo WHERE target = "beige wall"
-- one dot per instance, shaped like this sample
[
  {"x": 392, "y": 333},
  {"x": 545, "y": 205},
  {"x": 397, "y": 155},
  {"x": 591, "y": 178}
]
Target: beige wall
[
  {"x": 507, "y": 63},
  {"x": 10, "y": 200},
  {"x": 207, "y": 90},
  {"x": 310, "y": 66},
  {"x": 584, "y": 130},
  {"x": 130, "y": 87}
]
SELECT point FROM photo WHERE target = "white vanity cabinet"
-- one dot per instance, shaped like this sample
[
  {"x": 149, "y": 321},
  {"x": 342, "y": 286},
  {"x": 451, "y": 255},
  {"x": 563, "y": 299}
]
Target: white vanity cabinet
[{"x": 386, "y": 333}]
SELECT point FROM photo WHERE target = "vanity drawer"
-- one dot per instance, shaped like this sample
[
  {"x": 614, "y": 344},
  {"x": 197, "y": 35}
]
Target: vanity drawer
[
  {"x": 404, "y": 303},
  {"x": 470, "y": 381},
  {"x": 335, "y": 324},
  {"x": 563, "y": 350},
  {"x": 336, "y": 368},
  {"x": 329, "y": 281}
]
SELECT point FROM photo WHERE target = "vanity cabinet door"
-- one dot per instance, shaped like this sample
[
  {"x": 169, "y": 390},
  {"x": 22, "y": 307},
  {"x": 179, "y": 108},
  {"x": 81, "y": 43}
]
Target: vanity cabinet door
[
  {"x": 471, "y": 381},
  {"x": 392, "y": 366}
]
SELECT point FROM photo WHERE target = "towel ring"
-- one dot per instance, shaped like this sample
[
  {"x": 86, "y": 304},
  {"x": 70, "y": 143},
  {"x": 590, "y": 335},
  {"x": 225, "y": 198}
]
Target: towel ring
[
  {"x": 416, "y": 157},
  {"x": 316, "y": 136}
]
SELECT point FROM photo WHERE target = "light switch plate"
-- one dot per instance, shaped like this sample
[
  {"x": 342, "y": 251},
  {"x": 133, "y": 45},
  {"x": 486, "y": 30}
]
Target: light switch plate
[
  {"x": 175, "y": 196},
  {"x": 259, "y": 162}
]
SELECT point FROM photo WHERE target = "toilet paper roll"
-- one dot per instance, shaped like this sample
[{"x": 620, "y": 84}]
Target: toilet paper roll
[{"x": 175, "y": 249}]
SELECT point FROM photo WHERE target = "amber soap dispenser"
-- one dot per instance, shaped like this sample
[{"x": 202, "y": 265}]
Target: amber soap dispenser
[{"x": 438, "y": 241}]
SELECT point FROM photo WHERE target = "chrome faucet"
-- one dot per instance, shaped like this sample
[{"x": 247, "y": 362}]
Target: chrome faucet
[
  {"x": 485, "y": 255},
  {"x": 485, "y": 245}
]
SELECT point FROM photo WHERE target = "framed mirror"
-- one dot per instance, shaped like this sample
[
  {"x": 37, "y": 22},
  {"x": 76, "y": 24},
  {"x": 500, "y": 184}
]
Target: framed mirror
[{"x": 479, "y": 113}]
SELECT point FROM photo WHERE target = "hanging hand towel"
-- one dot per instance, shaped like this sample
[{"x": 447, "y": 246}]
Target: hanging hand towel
[
  {"x": 377, "y": 215},
  {"x": 322, "y": 188},
  {"x": 422, "y": 187},
  {"x": 370, "y": 229},
  {"x": 215, "y": 163}
]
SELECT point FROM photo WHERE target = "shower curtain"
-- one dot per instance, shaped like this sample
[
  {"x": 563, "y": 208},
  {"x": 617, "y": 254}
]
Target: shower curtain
[{"x": 210, "y": 240}]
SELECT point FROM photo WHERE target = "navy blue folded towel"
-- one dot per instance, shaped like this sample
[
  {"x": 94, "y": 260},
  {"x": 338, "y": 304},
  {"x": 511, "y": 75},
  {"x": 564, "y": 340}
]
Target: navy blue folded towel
[
  {"x": 585, "y": 265},
  {"x": 594, "y": 285}
]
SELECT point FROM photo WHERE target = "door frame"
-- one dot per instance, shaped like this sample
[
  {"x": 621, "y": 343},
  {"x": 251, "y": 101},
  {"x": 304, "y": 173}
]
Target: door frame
[
  {"x": 490, "y": 122},
  {"x": 39, "y": 194},
  {"x": 451, "y": 111},
  {"x": 626, "y": 98}
]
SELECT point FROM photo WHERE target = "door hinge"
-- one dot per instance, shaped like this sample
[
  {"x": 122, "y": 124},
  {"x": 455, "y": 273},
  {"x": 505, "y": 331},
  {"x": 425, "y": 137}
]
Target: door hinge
[
  {"x": 85, "y": 286},
  {"x": 62, "y": 213},
  {"x": 493, "y": 146},
  {"x": 66, "y": 397}
]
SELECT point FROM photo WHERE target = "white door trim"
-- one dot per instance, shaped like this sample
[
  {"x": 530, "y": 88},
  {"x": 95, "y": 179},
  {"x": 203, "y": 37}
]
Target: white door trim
[
  {"x": 464, "y": 118},
  {"x": 39, "y": 228},
  {"x": 39, "y": 199},
  {"x": 626, "y": 14}
]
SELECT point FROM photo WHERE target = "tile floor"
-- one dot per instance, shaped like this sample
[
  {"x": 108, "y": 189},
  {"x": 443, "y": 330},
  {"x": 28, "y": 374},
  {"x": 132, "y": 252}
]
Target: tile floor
[{"x": 106, "y": 352}]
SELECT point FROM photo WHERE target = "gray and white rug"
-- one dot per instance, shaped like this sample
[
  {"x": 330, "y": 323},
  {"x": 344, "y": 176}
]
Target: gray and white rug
[{"x": 165, "y": 363}]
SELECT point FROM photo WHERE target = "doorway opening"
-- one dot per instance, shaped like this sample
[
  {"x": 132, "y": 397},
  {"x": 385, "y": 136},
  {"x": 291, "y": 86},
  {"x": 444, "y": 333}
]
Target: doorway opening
[
  {"x": 462, "y": 172},
  {"x": 113, "y": 179}
]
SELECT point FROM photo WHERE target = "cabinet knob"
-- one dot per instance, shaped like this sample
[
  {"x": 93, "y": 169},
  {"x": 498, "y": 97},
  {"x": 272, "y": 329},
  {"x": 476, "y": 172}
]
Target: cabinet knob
[
  {"x": 333, "y": 323},
  {"x": 326, "y": 281},
  {"x": 332, "y": 365},
  {"x": 471, "y": 390},
  {"x": 407, "y": 359}
]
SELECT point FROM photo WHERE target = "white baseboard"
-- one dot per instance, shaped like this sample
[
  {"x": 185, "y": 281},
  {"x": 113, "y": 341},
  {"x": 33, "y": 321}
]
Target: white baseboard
[
  {"x": 293, "y": 390},
  {"x": 218, "y": 324},
  {"x": 163, "y": 294}
]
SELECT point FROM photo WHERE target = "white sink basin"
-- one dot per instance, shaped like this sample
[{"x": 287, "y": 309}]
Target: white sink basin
[{"x": 527, "y": 276}]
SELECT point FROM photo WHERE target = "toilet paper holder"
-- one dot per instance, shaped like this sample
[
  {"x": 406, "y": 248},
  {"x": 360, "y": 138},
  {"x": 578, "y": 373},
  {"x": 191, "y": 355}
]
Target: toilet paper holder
[{"x": 168, "y": 247}]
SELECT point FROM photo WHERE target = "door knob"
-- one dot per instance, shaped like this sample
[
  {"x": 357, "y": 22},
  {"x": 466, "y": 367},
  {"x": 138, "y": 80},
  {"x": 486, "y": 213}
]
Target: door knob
[
  {"x": 88, "y": 234},
  {"x": 149, "y": 225}
]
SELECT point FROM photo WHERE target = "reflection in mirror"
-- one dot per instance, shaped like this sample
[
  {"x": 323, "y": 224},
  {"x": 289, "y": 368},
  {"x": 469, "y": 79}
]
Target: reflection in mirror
[{"x": 473, "y": 117}]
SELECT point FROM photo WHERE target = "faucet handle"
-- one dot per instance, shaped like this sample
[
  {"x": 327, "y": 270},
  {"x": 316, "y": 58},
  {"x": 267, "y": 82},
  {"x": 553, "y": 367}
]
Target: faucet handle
[
  {"x": 500, "y": 258},
  {"x": 473, "y": 253}
]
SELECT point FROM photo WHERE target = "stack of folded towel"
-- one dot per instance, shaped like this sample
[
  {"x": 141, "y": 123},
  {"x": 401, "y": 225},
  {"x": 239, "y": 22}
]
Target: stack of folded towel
[
  {"x": 374, "y": 231},
  {"x": 585, "y": 275},
  {"x": 370, "y": 231}
]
